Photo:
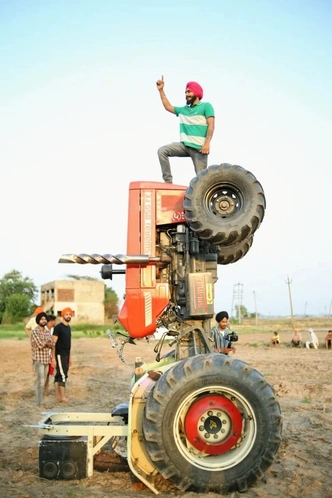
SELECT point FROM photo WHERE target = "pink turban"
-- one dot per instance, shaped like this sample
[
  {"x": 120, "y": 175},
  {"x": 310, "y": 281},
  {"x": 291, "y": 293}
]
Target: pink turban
[{"x": 196, "y": 89}]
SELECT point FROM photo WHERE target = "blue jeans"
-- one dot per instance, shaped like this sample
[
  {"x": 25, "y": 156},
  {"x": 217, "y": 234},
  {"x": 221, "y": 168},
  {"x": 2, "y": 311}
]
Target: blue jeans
[
  {"x": 41, "y": 370},
  {"x": 178, "y": 149}
]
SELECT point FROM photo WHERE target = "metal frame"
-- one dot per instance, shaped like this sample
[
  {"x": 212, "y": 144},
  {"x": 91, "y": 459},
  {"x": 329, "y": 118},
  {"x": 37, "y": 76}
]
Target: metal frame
[
  {"x": 100, "y": 427},
  {"x": 83, "y": 424}
]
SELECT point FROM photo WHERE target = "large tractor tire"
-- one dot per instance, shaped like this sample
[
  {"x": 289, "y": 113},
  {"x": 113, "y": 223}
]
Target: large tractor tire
[
  {"x": 212, "y": 423},
  {"x": 235, "y": 252},
  {"x": 224, "y": 204}
]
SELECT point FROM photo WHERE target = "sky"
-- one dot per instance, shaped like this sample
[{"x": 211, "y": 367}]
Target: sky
[{"x": 80, "y": 118}]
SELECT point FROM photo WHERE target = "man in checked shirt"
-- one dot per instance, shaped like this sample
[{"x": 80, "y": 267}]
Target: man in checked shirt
[{"x": 41, "y": 343}]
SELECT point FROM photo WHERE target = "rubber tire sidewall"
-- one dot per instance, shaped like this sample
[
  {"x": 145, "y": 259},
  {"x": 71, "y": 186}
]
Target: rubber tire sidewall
[
  {"x": 233, "y": 228},
  {"x": 193, "y": 374},
  {"x": 235, "y": 252}
]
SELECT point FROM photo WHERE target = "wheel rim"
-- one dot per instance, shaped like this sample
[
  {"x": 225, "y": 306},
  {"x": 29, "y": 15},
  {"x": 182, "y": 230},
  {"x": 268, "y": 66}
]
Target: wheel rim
[
  {"x": 213, "y": 424},
  {"x": 224, "y": 201},
  {"x": 215, "y": 428}
]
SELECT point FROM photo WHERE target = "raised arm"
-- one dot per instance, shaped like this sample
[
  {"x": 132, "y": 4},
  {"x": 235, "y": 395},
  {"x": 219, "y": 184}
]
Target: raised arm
[{"x": 160, "y": 87}]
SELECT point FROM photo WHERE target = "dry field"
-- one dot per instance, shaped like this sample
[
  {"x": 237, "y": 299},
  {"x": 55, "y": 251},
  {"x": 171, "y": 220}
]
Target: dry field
[{"x": 98, "y": 381}]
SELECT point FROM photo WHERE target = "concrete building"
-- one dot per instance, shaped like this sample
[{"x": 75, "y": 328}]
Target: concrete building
[{"x": 84, "y": 297}]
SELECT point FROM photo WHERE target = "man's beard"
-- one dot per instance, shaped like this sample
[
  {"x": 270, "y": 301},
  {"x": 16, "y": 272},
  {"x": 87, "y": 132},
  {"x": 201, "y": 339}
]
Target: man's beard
[
  {"x": 68, "y": 319},
  {"x": 190, "y": 100}
]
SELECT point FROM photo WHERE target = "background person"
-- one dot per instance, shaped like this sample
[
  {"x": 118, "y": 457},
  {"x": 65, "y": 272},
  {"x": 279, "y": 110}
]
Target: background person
[
  {"x": 196, "y": 129},
  {"x": 32, "y": 324},
  {"x": 312, "y": 341},
  {"x": 328, "y": 340},
  {"x": 62, "y": 339},
  {"x": 219, "y": 334},
  {"x": 275, "y": 339},
  {"x": 41, "y": 343},
  {"x": 296, "y": 340},
  {"x": 51, "y": 319}
]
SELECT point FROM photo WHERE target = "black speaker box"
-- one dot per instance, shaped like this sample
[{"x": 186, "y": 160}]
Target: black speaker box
[{"x": 63, "y": 457}]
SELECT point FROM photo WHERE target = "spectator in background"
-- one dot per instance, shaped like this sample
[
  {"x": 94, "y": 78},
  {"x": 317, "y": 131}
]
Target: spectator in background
[
  {"x": 41, "y": 343},
  {"x": 275, "y": 339},
  {"x": 62, "y": 338},
  {"x": 296, "y": 340},
  {"x": 51, "y": 319},
  {"x": 219, "y": 334},
  {"x": 328, "y": 340},
  {"x": 313, "y": 340},
  {"x": 32, "y": 324}
]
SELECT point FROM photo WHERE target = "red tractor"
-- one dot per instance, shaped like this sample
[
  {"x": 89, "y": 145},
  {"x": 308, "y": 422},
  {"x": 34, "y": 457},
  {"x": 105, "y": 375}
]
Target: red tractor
[{"x": 201, "y": 420}]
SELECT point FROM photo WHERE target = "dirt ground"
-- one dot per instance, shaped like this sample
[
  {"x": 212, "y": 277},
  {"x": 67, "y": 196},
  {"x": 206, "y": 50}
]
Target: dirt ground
[{"x": 98, "y": 381}]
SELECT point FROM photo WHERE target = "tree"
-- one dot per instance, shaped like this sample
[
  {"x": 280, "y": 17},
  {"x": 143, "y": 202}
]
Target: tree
[
  {"x": 243, "y": 310},
  {"x": 14, "y": 283},
  {"x": 18, "y": 306},
  {"x": 111, "y": 303}
]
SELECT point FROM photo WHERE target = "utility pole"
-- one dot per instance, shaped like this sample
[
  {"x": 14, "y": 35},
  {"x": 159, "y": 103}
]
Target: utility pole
[
  {"x": 305, "y": 309},
  {"x": 288, "y": 282},
  {"x": 330, "y": 309},
  {"x": 237, "y": 299},
  {"x": 256, "y": 315}
]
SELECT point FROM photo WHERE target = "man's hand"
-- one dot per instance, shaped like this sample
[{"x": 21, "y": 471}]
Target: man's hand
[
  {"x": 160, "y": 84},
  {"x": 205, "y": 149},
  {"x": 226, "y": 350},
  {"x": 209, "y": 134}
]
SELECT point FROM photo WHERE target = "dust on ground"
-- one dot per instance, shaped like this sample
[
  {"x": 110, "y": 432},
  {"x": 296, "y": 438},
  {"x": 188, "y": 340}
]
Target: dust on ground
[{"x": 98, "y": 381}]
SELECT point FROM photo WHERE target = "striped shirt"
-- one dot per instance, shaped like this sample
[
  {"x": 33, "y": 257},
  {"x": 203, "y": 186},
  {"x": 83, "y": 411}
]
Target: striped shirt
[
  {"x": 38, "y": 338},
  {"x": 219, "y": 337},
  {"x": 193, "y": 123}
]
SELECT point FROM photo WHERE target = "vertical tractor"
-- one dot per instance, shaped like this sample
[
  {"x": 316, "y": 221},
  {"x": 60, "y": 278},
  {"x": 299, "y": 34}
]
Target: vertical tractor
[{"x": 201, "y": 420}]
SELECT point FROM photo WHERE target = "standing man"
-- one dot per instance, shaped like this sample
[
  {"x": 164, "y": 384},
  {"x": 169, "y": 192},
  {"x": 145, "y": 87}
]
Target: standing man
[
  {"x": 219, "y": 334},
  {"x": 41, "y": 343},
  {"x": 32, "y": 324},
  {"x": 196, "y": 129},
  {"x": 62, "y": 339},
  {"x": 51, "y": 319}
]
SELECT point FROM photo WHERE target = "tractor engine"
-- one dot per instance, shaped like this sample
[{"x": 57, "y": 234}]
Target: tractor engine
[
  {"x": 175, "y": 289},
  {"x": 190, "y": 273}
]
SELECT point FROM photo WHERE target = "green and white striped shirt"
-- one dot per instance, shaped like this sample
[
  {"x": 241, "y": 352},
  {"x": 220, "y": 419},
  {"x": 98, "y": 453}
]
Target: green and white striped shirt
[{"x": 193, "y": 123}]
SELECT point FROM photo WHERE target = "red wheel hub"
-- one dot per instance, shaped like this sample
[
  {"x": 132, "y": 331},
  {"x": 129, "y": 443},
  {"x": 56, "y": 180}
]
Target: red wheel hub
[{"x": 213, "y": 424}]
